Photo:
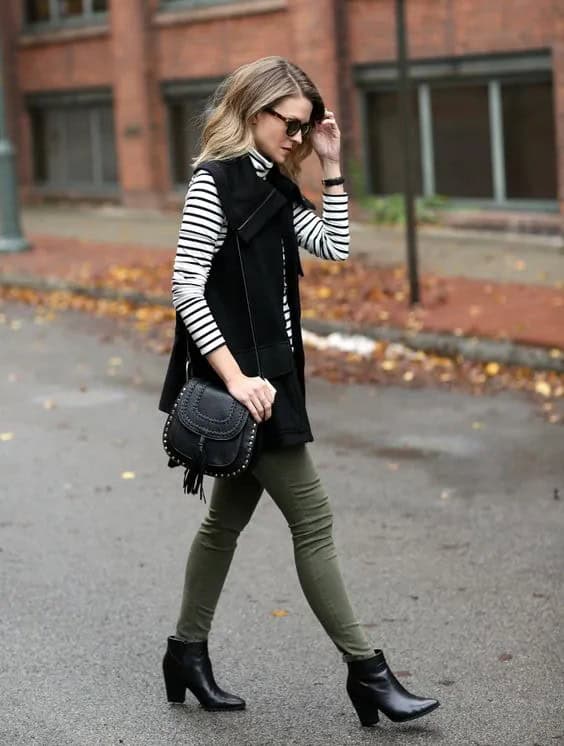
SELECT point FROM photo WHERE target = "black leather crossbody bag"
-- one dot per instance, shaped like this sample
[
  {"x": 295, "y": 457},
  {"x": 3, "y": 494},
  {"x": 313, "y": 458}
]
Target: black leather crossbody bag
[{"x": 208, "y": 431}]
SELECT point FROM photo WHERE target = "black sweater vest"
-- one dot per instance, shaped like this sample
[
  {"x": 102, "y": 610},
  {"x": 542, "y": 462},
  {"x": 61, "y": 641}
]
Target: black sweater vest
[{"x": 260, "y": 213}]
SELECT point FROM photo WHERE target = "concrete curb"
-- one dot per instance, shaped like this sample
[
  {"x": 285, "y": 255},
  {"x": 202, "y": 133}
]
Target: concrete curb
[{"x": 449, "y": 345}]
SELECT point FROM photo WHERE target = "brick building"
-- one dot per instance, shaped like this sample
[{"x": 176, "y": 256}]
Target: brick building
[{"x": 102, "y": 95}]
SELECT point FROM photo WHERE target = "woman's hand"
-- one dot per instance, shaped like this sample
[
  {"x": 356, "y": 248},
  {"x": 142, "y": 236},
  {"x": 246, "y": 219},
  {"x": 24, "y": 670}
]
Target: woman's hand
[
  {"x": 256, "y": 393},
  {"x": 326, "y": 139}
]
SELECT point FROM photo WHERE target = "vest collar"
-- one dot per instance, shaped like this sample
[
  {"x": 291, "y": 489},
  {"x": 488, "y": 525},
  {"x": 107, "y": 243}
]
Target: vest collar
[{"x": 248, "y": 200}]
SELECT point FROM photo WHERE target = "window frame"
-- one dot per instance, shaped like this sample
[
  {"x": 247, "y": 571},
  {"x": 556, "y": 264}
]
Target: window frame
[
  {"x": 183, "y": 4},
  {"x": 492, "y": 71},
  {"x": 92, "y": 98},
  {"x": 89, "y": 17}
]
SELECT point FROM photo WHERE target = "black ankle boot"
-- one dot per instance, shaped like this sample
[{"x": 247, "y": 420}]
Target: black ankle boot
[
  {"x": 186, "y": 665},
  {"x": 372, "y": 687}
]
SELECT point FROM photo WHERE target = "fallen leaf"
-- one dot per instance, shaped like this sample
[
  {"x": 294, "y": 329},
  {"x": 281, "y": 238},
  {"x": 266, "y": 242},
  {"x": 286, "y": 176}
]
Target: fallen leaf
[
  {"x": 492, "y": 369},
  {"x": 388, "y": 364},
  {"x": 543, "y": 388},
  {"x": 128, "y": 475},
  {"x": 279, "y": 612},
  {"x": 6, "y": 436}
]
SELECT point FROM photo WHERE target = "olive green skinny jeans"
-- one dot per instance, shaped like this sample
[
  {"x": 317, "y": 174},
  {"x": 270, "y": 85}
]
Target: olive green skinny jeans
[{"x": 290, "y": 477}]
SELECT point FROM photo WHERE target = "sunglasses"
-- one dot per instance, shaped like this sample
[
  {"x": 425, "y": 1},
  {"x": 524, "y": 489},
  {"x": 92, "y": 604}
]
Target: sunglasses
[{"x": 293, "y": 126}]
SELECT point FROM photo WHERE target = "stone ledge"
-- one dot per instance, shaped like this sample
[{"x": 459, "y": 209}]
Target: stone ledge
[
  {"x": 63, "y": 34},
  {"x": 173, "y": 16}
]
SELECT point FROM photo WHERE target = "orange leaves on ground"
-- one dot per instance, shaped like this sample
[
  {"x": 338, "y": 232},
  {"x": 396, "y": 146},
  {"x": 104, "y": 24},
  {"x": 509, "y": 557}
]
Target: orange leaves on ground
[
  {"x": 398, "y": 365},
  {"x": 333, "y": 287}
]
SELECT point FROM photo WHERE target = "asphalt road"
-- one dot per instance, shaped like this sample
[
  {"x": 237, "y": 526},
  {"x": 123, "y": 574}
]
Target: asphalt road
[{"x": 447, "y": 523}]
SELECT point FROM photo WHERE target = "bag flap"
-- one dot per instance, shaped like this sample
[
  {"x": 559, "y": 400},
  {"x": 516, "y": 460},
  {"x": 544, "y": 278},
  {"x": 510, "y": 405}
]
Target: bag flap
[{"x": 207, "y": 410}]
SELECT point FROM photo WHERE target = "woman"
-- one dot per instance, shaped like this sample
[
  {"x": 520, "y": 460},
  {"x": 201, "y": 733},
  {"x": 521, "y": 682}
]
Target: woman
[{"x": 265, "y": 119}]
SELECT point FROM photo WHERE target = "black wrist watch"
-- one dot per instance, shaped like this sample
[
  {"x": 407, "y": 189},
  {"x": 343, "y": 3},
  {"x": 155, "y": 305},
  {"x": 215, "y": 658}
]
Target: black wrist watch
[{"x": 333, "y": 182}]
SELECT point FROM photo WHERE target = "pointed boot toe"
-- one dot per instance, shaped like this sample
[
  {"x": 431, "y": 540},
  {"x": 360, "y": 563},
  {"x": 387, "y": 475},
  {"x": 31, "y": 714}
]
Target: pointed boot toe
[{"x": 373, "y": 688}]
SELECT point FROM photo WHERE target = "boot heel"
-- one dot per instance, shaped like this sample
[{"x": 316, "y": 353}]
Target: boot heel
[
  {"x": 175, "y": 689},
  {"x": 366, "y": 711}
]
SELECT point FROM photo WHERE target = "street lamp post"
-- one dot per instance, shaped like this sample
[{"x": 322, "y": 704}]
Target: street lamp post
[
  {"x": 407, "y": 154},
  {"x": 11, "y": 238}
]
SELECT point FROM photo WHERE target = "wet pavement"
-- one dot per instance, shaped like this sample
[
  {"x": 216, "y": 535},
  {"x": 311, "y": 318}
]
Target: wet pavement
[{"x": 449, "y": 513}]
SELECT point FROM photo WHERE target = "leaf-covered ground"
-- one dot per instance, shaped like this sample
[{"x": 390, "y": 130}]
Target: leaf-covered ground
[
  {"x": 347, "y": 291},
  {"x": 387, "y": 363}
]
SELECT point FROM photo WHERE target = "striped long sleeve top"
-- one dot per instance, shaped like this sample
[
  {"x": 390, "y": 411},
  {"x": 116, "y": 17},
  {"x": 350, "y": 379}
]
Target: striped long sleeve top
[{"x": 203, "y": 230}]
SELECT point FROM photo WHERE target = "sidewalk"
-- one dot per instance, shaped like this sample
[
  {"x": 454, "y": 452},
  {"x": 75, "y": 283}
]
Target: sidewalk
[
  {"x": 505, "y": 289},
  {"x": 502, "y": 257}
]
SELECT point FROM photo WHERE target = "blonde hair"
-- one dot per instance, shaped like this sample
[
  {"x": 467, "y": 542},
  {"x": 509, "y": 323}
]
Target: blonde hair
[{"x": 245, "y": 92}]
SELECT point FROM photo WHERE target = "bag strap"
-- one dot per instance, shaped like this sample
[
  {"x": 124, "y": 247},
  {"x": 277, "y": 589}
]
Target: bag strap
[
  {"x": 218, "y": 174},
  {"x": 248, "y": 303}
]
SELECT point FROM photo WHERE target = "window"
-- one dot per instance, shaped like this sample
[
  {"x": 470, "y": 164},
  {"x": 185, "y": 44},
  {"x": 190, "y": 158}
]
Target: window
[
  {"x": 186, "y": 102},
  {"x": 55, "y": 12},
  {"x": 185, "y": 130},
  {"x": 38, "y": 11},
  {"x": 386, "y": 162},
  {"x": 461, "y": 141},
  {"x": 529, "y": 140},
  {"x": 483, "y": 128},
  {"x": 74, "y": 146}
]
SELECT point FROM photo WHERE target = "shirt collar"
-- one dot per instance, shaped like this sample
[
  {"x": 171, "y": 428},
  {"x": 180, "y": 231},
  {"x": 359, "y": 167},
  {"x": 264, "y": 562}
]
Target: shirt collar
[{"x": 261, "y": 164}]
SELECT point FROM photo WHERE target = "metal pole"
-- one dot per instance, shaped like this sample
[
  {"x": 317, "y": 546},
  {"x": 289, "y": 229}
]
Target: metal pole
[
  {"x": 11, "y": 238},
  {"x": 343, "y": 81},
  {"x": 405, "y": 120}
]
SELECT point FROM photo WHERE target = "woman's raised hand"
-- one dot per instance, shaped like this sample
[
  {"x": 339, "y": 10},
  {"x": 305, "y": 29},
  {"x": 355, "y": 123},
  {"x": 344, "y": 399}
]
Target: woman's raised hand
[
  {"x": 326, "y": 138},
  {"x": 256, "y": 393}
]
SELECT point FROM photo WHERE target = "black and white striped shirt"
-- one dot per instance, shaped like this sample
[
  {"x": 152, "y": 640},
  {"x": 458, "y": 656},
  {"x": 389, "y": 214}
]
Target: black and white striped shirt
[{"x": 203, "y": 230}]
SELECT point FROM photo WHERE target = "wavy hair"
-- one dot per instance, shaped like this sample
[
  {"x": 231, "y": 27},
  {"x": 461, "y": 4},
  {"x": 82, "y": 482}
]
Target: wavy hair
[{"x": 246, "y": 91}]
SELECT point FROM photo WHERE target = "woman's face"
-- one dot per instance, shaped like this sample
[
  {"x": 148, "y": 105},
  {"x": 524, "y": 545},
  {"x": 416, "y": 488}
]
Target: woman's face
[{"x": 269, "y": 131}]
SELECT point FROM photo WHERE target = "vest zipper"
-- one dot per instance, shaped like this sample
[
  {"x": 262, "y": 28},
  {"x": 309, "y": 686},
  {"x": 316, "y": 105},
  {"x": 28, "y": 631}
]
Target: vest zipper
[{"x": 244, "y": 223}]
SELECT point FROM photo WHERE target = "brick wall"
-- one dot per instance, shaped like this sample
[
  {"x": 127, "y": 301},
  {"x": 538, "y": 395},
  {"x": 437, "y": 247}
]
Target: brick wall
[
  {"x": 142, "y": 47},
  {"x": 558, "y": 57}
]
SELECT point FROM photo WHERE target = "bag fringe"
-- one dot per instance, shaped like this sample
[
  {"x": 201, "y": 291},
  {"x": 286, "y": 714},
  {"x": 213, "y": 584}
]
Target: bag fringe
[{"x": 194, "y": 474}]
